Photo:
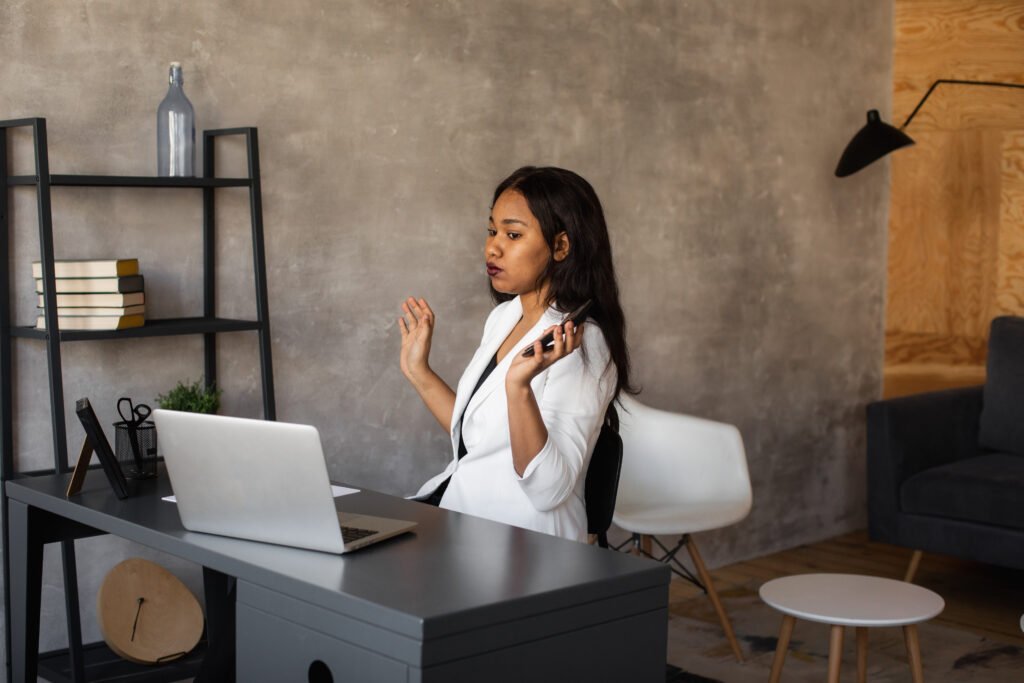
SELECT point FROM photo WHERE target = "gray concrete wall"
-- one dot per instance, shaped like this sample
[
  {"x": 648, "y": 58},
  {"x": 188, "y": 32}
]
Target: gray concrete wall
[{"x": 752, "y": 278}]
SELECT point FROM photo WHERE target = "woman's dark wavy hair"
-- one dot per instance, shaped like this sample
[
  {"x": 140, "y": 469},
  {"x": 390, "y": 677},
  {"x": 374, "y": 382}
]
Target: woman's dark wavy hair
[{"x": 562, "y": 201}]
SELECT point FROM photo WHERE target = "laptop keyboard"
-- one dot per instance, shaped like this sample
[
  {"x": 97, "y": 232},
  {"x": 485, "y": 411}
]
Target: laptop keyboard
[{"x": 351, "y": 533}]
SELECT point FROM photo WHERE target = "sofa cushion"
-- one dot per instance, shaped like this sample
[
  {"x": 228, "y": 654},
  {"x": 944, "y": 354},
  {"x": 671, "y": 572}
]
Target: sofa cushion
[
  {"x": 1002, "y": 413},
  {"x": 985, "y": 488}
]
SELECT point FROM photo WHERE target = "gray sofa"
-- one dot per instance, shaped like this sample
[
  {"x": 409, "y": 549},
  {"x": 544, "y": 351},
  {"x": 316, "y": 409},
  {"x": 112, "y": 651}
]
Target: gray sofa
[{"x": 946, "y": 469}]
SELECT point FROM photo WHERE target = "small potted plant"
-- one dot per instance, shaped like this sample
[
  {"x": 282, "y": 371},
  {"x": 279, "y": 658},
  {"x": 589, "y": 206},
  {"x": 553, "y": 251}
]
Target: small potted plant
[{"x": 192, "y": 398}]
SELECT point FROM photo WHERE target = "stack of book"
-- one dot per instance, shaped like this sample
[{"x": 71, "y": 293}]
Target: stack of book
[{"x": 104, "y": 294}]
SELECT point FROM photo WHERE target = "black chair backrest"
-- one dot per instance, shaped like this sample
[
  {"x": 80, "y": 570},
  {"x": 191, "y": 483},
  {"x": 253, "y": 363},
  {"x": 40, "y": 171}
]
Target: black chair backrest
[{"x": 602, "y": 483}]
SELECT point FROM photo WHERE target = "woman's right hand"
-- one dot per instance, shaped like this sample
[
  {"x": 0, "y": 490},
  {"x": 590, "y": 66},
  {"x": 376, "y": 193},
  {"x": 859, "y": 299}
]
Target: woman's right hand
[{"x": 416, "y": 326}]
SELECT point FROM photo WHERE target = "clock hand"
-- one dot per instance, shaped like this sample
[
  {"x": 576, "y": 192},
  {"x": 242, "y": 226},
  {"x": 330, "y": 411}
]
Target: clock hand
[{"x": 141, "y": 600}]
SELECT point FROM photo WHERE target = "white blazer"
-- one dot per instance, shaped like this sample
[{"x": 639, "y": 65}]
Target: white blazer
[{"x": 573, "y": 395}]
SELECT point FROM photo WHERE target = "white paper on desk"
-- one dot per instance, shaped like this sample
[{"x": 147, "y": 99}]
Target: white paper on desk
[
  {"x": 336, "y": 491},
  {"x": 339, "y": 491}
]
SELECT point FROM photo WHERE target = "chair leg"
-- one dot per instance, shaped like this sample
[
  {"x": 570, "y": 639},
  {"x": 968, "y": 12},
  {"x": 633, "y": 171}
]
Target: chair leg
[
  {"x": 643, "y": 546},
  {"x": 835, "y": 653},
  {"x": 782, "y": 648},
  {"x": 705, "y": 578},
  {"x": 915, "y": 560}
]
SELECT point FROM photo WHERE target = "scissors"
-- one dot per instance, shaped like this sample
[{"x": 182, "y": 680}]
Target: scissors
[{"x": 137, "y": 414}]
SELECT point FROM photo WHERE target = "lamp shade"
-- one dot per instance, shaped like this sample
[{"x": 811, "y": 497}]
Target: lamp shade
[{"x": 872, "y": 142}]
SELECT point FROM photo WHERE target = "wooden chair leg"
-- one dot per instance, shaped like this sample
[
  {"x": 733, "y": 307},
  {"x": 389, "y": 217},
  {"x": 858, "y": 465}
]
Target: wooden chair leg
[
  {"x": 637, "y": 545},
  {"x": 835, "y": 653},
  {"x": 915, "y": 560},
  {"x": 643, "y": 549},
  {"x": 705, "y": 578},
  {"x": 782, "y": 649},
  {"x": 862, "y": 654},
  {"x": 913, "y": 653}
]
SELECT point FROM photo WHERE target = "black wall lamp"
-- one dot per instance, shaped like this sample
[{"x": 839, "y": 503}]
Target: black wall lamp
[{"x": 877, "y": 138}]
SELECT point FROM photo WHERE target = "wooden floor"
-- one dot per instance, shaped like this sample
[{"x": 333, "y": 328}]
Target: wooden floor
[{"x": 980, "y": 598}]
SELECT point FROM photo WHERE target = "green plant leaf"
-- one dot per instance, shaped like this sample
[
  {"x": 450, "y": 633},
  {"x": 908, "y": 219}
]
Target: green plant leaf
[{"x": 192, "y": 398}]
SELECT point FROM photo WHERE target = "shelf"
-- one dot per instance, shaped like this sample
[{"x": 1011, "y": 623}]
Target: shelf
[
  {"x": 160, "y": 327},
  {"x": 101, "y": 664},
  {"x": 128, "y": 181}
]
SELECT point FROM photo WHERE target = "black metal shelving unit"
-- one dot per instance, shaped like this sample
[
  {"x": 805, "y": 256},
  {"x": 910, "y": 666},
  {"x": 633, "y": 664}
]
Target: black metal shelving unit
[{"x": 73, "y": 661}]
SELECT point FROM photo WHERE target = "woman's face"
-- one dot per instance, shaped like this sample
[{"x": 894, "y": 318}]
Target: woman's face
[{"x": 515, "y": 251}]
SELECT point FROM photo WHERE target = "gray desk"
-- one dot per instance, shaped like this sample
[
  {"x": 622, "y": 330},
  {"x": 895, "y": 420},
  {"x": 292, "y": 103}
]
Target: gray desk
[{"x": 458, "y": 599}]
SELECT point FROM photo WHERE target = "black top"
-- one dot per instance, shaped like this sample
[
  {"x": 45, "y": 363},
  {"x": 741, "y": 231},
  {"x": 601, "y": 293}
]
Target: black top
[
  {"x": 435, "y": 497},
  {"x": 486, "y": 373}
]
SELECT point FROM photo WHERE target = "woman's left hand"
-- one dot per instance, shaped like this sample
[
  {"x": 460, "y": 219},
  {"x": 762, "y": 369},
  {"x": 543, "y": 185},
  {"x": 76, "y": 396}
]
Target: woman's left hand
[{"x": 524, "y": 368}]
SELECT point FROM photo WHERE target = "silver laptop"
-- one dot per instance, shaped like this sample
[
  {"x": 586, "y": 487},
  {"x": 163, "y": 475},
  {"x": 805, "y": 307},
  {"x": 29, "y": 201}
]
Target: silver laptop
[{"x": 260, "y": 480}]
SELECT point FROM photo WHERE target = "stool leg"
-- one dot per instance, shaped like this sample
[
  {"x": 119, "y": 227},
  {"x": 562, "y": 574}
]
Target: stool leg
[
  {"x": 862, "y": 654},
  {"x": 782, "y": 648},
  {"x": 915, "y": 560},
  {"x": 835, "y": 653},
  {"x": 913, "y": 653},
  {"x": 713, "y": 594}
]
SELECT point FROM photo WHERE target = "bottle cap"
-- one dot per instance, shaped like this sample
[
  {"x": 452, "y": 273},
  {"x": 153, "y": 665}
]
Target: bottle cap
[{"x": 174, "y": 73}]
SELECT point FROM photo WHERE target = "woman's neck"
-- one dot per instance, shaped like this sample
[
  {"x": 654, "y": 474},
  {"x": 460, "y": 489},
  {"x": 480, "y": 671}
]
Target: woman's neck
[{"x": 534, "y": 304}]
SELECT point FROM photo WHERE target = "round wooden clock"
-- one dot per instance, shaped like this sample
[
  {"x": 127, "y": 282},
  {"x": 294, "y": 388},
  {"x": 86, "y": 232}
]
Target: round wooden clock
[{"x": 146, "y": 614}]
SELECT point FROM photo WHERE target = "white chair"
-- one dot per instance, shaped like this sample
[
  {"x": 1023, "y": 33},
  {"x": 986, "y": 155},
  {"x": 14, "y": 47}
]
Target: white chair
[{"x": 680, "y": 475}]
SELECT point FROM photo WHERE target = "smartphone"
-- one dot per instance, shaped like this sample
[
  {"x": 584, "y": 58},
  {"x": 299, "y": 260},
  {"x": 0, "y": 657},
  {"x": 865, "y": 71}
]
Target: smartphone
[{"x": 576, "y": 317}]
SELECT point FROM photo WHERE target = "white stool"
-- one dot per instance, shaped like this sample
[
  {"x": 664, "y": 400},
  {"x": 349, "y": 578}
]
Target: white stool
[{"x": 850, "y": 600}]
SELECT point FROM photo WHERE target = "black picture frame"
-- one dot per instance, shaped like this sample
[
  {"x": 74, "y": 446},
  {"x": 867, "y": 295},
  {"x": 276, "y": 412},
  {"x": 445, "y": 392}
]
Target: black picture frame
[{"x": 101, "y": 446}]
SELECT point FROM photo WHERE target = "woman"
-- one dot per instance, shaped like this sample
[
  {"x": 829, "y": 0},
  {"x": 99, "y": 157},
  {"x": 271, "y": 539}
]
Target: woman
[{"x": 523, "y": 427}]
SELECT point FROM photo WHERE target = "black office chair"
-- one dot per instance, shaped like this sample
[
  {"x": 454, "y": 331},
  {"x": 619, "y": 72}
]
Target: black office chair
[{"x": 602, "y": 482}]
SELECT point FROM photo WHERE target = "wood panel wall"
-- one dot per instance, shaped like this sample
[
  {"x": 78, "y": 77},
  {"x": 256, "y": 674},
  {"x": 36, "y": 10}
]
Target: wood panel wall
[{"x": 956, "y": 232}]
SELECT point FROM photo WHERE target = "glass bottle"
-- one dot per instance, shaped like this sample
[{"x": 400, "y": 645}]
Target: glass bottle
[{"x": 175, "y": 130}]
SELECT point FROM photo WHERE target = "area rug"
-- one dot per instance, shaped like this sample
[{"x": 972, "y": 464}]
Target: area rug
[{"x": 698, "y": 651}]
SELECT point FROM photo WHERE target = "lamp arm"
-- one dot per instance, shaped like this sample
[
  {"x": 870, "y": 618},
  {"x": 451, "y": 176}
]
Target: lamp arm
[{"x": 948, "y": 80}]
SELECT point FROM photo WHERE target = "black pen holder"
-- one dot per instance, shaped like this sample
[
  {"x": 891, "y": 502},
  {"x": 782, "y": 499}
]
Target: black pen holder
[{"x": 135, "y": 448}]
